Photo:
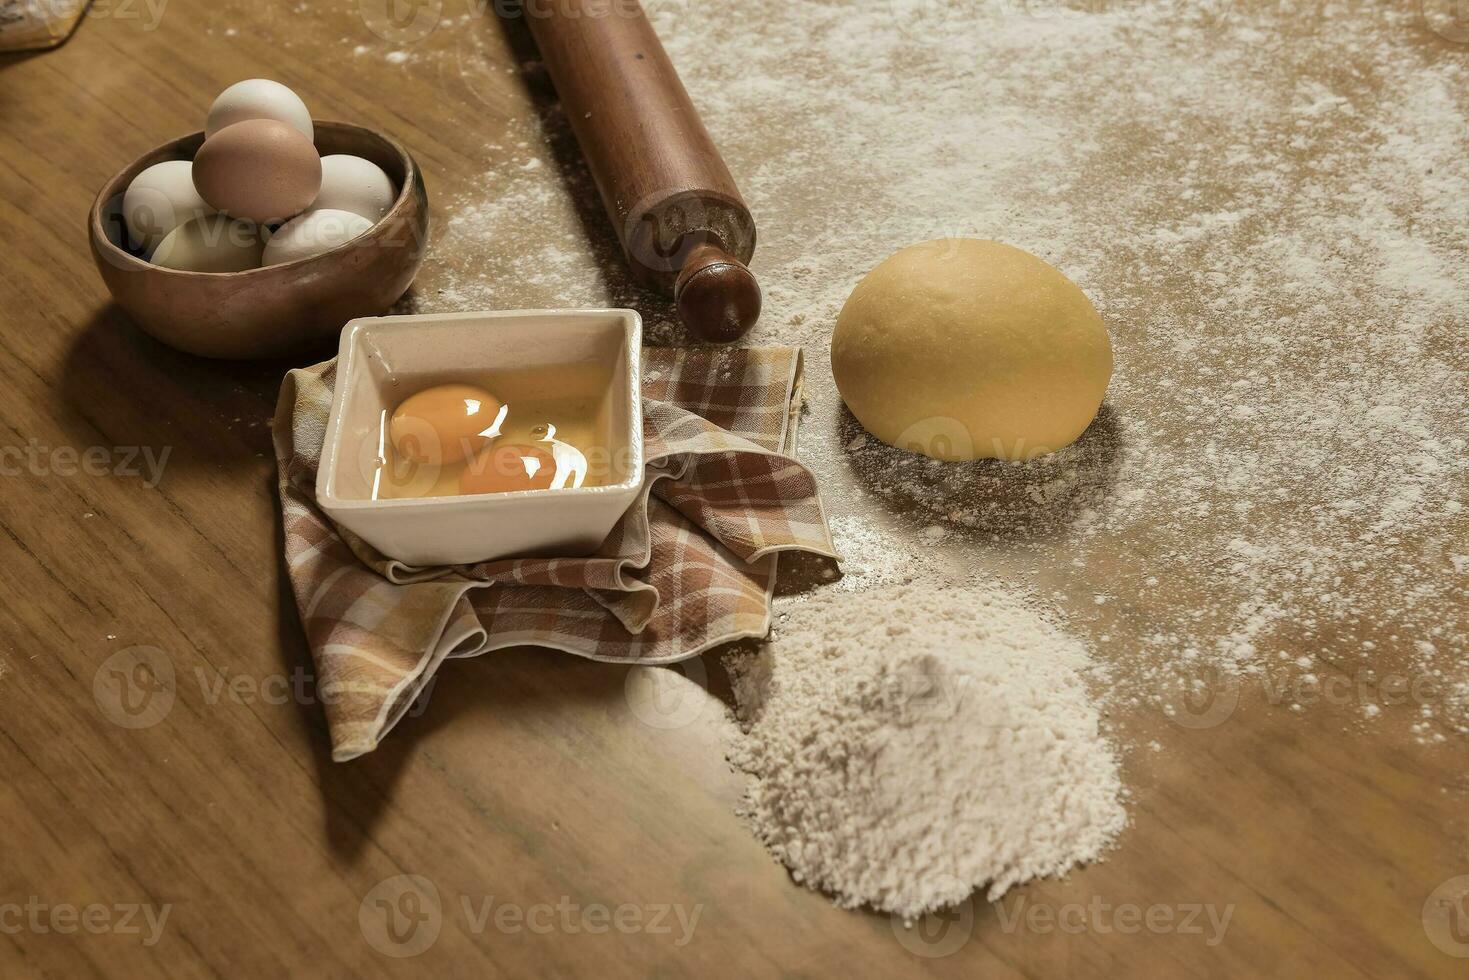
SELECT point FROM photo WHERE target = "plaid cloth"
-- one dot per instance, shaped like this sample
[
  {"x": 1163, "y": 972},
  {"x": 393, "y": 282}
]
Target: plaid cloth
[{"x": 690, "y": 565}]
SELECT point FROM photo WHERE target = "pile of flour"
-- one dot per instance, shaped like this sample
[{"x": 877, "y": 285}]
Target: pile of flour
[{"x": 908, "y": 747}]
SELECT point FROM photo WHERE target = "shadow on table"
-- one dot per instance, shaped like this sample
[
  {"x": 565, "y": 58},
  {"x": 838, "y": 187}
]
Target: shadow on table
[
  {"x": 355, "y": 795},
  {"x": 1033, "y": 499},
  {"x": 15, "y": 58},
  {"x": 572, "y": 168},
  {"x": 564, "y": 707},
  {"x": 120, "y": 387}
]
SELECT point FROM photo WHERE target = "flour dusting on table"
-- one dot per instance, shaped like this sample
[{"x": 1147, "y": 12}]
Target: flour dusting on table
[
  {"x": 908, "y": 747},
  {"x": 1270, "y": 206}
]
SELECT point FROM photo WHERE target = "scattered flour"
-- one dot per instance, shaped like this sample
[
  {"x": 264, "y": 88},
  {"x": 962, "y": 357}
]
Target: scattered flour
[
  {"x": 1269, "y": 204},
  {"x": 910, "y": 747},
  {"x": 873, "y": 558},
  {"x": 1271, "y": 207}
]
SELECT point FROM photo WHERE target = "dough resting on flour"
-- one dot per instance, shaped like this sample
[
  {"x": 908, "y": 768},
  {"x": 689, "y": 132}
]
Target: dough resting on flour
[{"x": 964, "y": 349}]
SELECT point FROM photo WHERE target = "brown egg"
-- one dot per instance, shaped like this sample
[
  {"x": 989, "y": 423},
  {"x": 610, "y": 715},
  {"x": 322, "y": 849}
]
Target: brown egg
[
  {"x": 445, "y": 424},
  {"x": 507, "y": 468},
  {"x": 261, "y": 170}
]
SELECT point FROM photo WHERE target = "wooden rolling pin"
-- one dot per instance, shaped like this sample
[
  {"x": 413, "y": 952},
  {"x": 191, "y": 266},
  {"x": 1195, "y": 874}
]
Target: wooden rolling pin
[{"x": 683, "y": 226}]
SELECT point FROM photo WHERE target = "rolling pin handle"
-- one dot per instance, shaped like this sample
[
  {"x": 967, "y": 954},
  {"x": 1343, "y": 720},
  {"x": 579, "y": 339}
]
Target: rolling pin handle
[{"x": 718, "y": 298}]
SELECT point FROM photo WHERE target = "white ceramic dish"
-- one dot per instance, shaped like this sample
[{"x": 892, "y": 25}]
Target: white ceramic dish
[{"x": 382, "y": 360}]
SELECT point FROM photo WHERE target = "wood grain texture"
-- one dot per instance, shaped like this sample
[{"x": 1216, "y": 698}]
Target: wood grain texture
[{"x": 532, "y": 780}]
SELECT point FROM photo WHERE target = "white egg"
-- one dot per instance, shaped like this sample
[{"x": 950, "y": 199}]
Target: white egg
[
  {"x": 259, "y": 98},
  {"x": 313, "y": 233},
  {"x": 215, "y": 243},
  {"x": 159, "y": 200},
  {"x": 353, "y": 184}
]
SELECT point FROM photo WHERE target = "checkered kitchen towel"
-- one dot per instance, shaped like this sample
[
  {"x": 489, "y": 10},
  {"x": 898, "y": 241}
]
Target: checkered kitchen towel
[{"x": 691, "y": 565}]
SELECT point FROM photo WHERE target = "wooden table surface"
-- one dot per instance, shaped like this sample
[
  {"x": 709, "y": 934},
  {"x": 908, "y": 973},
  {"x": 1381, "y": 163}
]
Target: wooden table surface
[{"x": 534, "y": 782}]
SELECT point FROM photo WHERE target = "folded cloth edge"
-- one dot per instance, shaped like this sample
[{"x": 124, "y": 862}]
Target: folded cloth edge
[
  {"x": 450, "y": 642},
  {"x": 407, "y": 693}
]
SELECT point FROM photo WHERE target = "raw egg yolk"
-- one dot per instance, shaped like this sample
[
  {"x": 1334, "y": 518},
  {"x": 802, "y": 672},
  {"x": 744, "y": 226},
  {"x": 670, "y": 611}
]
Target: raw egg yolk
[
  {"x": 507, "y": 468},
  {"x": 445, "y": 424}
]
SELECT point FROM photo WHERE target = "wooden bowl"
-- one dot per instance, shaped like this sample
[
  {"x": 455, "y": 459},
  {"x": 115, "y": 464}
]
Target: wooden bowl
[{"x": 275, "y": 310}]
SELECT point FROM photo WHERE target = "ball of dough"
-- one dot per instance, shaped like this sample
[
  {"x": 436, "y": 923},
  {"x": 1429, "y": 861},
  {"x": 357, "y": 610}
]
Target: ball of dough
[{"x": 964, "y": 349}]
